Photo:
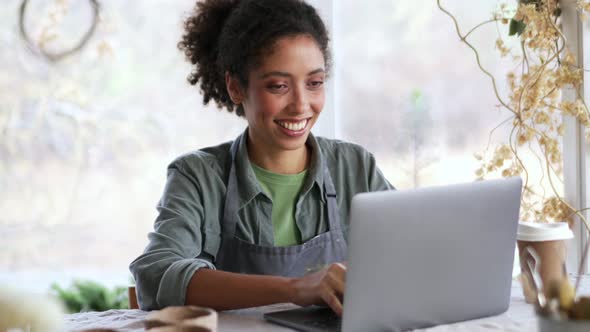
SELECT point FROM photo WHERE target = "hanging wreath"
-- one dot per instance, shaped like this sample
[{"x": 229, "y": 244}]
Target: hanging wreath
[{"x": 57, "y": 56}]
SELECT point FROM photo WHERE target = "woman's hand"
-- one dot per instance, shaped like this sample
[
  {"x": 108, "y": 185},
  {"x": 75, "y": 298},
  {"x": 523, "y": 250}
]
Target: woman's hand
[{"x": 325, "y": 286}]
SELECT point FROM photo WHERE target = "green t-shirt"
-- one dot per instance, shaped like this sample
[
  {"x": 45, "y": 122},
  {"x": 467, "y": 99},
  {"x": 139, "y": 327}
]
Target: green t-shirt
[{"x": 283, "y": 191}]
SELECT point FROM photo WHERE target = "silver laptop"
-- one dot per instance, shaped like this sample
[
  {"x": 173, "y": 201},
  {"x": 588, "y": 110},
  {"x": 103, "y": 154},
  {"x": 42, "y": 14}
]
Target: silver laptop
[{"x": 423, "y": 257}]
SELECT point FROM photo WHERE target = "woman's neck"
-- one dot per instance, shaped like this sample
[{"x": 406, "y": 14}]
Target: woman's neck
[{"x": 279, "y": 161}]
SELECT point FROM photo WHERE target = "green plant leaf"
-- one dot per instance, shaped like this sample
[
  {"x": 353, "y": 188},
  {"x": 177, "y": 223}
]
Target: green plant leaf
[
  {"x": 94, "y": 294},
  {"x": 516, "y": 27},
  {"x": 120, "y": 298},
  {"x": 84, "y": 295},
  {"x": 71, "y": 300}
]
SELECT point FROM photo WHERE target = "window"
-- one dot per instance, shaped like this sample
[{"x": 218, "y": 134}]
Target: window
[
  {"x": 410, "y": 92},
  {"x": 84, "y": 143}
]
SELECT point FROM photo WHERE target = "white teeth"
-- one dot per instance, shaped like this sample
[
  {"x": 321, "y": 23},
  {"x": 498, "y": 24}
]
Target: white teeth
[{"x": 293, "y": 126}]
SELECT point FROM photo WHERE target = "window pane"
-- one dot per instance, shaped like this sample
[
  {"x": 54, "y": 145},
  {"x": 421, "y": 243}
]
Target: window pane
[
  {"x": 85, "y": 142},
  {"x": 412, "y": 93}
]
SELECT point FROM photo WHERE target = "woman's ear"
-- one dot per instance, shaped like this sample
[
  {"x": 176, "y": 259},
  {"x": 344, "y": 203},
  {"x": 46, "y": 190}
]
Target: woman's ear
[{"x": 234, "y": 88}]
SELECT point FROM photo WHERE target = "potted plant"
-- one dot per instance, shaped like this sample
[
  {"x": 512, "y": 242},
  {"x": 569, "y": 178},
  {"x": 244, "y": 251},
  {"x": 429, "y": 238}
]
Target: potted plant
[{"x": 545, "y": 88}]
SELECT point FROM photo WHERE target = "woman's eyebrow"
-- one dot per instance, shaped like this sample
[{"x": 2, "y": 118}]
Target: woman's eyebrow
[
  {"x": 317, "y": 71},
  {"x": 274, "y": 73},
  {"x": 284, "y": 74}
]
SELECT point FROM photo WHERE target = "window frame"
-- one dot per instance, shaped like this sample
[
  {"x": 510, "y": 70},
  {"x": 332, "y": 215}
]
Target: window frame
[{"x": 575, "y": 149}]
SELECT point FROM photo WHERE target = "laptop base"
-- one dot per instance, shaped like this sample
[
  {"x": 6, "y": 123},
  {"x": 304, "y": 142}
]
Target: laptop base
[{"x": 308, "y": 319}]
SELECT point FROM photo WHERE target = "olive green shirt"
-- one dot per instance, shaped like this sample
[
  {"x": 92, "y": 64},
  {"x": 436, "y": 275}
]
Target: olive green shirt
[
  {"x": 187, "y": 231},
  {"x": 283, "y": 190}
]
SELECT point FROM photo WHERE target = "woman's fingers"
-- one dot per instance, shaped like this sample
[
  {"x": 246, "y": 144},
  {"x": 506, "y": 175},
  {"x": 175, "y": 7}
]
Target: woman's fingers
[
  {"x": 336, "y": 283},
  {"x": 333, "y": 289},
  {"x": 333, "y": 302},
  {"x": 325, "y": 286},
  {"x": 337, "y": 277}
]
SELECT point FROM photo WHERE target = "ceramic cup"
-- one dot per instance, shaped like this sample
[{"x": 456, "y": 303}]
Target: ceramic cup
[{"x": 182, "y": 319}]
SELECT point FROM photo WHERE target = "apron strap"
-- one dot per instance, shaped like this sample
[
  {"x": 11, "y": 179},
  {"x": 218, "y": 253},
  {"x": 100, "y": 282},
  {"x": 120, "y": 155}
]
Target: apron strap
[
  {"x": 228, "y": 227},
  {"x": 331, "y": 199}
]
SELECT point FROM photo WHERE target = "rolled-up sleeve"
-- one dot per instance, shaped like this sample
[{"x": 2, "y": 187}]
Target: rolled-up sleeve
[{"x": 174, "y": 252}]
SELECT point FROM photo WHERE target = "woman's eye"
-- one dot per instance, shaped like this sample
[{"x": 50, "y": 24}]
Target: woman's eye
[
  {"x": 316, "y": 84},
  {"x": 277, "y": 87}
]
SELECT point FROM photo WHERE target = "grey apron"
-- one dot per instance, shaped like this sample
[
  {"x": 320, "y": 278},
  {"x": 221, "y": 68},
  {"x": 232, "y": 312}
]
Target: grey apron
[{"x": 236, "y": 255}]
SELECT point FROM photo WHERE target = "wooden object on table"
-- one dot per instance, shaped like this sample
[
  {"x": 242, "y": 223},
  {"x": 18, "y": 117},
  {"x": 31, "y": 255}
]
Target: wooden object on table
[
  {"x": 185, "y": 318},
  {"x": 132, "y": 297}
]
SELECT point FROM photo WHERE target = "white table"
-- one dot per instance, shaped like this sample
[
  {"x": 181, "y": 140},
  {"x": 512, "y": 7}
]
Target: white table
[{"x": 519, "y": 317}]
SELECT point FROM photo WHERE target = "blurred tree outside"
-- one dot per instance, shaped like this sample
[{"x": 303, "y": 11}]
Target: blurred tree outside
[
  {"x": 408, "y": 46},
  {"x": 417, "y": 139}
]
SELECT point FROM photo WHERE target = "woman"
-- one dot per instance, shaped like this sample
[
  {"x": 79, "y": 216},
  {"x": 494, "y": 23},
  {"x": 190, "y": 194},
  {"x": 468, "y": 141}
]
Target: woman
[{"x": 262, "y": 219}]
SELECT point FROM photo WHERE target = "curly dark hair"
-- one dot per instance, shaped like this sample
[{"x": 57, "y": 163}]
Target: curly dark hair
[{"x": 234, "y": 35}]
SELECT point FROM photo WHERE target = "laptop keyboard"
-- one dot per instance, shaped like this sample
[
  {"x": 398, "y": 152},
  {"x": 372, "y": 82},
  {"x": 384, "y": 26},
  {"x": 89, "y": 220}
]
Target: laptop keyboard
[{"x": 330, "y": 322}]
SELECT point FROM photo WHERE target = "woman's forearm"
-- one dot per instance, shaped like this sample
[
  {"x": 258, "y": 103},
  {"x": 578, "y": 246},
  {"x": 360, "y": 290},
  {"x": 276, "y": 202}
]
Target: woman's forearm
[{"x": 222, "y": 290}]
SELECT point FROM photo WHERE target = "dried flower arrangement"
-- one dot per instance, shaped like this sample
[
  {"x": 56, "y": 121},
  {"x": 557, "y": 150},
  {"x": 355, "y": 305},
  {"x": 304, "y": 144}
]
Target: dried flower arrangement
[
  {"x": 547, "y": 68},
  {"x": 545, "y": 88}
]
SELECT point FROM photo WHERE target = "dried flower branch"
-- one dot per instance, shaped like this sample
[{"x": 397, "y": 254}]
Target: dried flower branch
[{"x": 547, "y": 67}]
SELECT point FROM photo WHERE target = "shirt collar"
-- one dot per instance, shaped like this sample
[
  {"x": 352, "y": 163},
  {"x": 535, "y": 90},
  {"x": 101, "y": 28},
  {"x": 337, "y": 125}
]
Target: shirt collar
[
  {"x": 248, "y": 186},
  {"x": 316, "y": 168}
]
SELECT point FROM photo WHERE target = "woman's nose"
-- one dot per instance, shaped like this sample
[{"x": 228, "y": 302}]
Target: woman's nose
[{"x": 300, "y": 103}]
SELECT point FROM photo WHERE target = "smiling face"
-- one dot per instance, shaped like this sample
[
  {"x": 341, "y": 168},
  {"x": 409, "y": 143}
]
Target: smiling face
[{"x": 285, "y": 95}]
